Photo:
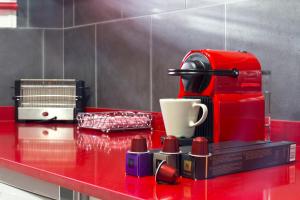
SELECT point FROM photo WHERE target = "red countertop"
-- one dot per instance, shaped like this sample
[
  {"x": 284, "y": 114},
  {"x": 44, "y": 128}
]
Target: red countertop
[{"x": 94, "y": 163}]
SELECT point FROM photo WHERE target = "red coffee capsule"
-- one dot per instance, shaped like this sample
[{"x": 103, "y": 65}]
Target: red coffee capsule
[
  {"x": 200, "y": 146},
  {"x": 170, "y": 145},
  {"x": 138, "y": 144},
  {"x": 166, "y": 174}
]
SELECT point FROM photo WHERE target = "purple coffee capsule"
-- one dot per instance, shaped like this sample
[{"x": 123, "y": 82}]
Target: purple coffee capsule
[{"x": 139, "y": 160}]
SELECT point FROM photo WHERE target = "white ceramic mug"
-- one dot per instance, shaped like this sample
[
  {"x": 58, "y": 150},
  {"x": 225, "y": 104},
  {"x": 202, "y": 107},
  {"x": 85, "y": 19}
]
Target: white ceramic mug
[{"x": 180, "y": 116}]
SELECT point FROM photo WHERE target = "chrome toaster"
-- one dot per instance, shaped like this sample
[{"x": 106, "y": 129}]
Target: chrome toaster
[{"x": 49, "y": 99}]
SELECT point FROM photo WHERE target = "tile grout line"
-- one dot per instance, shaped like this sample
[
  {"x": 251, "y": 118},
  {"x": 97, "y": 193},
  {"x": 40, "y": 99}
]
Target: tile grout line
[
  {"x": 27, "y": 10},
  {"x": 63, "y": 54},
  {"x": 151, "y": 65},
  {"x": 96, "y": 68},
  {"x": 63, "y": 15},
  {"x": 63, "y": 42},
  {"x": 43, "y": 54},
  {"x": 141, "y": 16},
  {"x": 73, "y": 13},
  {"x": 100, "y": 63},
  {"x": 149, "y": 15},
  {"x": 122, "y": 11},
  {"x": 32, "y": 28},
  {"x": 225, "y": 26}
]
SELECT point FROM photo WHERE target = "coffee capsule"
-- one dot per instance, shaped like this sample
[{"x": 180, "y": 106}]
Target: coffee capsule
[
  {"x": 200, "y": 146},
  {"x": 170, "y": 145},
  {"x": 166, "y": 174},
  {"x": 138, "y": 144}
]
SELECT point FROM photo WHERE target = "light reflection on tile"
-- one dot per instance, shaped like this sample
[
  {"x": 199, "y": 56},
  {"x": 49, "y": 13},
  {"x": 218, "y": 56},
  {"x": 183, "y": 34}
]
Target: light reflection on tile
[
  {"x": 132, "y": 8},
  {"x": 174, "y": 35}
]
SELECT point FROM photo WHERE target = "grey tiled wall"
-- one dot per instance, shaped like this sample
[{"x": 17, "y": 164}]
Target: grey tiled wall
[
  {"x": 35, "y": 48},
  {"x": 124, "y": 64},
  {"x": 123, "y": 48},
  {"x": 53, "y": 54},
  {"x": 137, "y": 41},
  {"x": 41, "y": 14},
  {"x": 16, "y": 47},
  {"x": 79, "y": 57}
]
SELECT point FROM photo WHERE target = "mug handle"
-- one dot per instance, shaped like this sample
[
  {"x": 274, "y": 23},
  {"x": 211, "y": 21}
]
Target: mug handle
[{"x": 204, "y": 115}]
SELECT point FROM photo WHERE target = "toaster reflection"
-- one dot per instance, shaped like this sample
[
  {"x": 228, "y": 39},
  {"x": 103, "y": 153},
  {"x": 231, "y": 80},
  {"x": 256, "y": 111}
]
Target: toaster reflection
[
  {"x": 106, "y": 143},
  {"x": 47, "y": 146}
]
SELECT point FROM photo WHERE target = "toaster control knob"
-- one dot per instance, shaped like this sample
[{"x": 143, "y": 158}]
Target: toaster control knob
[{"x": 45, "y": 114}]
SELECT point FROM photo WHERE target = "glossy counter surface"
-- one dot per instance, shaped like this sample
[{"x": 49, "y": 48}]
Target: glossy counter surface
[{"x": 94, "y": 163}]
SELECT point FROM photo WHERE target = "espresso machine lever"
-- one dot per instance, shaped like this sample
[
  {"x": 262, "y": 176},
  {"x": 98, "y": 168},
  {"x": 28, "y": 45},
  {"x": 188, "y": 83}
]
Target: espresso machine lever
[{"x": 196, "y": 72}]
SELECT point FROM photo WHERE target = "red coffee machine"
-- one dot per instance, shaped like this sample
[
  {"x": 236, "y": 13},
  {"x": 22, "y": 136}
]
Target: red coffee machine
[{"x": 230, "y": 84}]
